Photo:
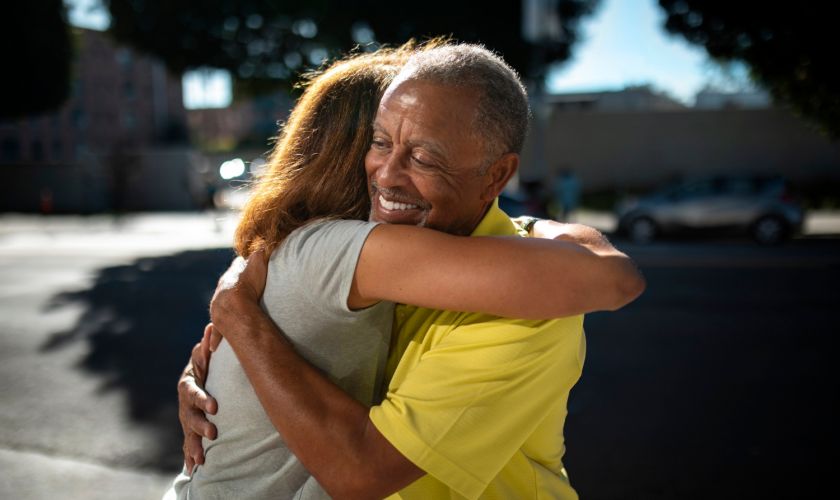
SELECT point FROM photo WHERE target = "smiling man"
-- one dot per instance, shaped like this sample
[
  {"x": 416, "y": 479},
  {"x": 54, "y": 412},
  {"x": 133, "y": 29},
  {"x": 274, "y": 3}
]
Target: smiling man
[
  {"x": 476, "y": 403},
  {"x": 424, "y": 166}
]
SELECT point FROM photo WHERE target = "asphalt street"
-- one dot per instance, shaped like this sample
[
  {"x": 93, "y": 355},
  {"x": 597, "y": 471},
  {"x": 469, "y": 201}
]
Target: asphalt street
[
  {"x": 718, "y": 382},
  {"x": 97, "y": 317}
]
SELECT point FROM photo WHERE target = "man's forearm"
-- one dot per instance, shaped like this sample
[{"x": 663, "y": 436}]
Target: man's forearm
[
  {"x": 326, "y": 429},
  {"x": 623, "y": 282}
]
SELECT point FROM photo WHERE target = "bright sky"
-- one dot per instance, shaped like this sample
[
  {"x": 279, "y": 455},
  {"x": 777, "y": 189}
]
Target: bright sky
[{"x": 624, "y": 44}]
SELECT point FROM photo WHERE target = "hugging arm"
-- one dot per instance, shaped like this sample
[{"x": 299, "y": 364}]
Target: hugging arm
[
  {"x": 329, "y": 431},
  {"x": 571, "y": 270},
  {"x": 590, "y": 273}
]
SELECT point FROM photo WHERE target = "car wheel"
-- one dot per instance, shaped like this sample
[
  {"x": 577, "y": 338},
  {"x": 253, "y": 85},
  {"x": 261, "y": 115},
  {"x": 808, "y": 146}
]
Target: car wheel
[
  {"x": 770, "y": 230},
  {"x": 642, "y": 230}
]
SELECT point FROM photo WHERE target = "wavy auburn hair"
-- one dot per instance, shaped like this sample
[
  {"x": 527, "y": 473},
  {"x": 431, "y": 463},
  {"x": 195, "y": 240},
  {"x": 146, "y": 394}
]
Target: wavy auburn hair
[{"x": 316, "y": 169}]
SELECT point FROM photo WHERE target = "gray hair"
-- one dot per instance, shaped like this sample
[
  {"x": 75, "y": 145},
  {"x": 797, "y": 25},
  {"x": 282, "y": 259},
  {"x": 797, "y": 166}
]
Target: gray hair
[{"x": 501, "y": 118}]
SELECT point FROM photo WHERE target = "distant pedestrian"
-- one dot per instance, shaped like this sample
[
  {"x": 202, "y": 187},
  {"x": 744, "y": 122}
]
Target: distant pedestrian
[
  {"x": 566, "y": 193},
  {"x": 46, "y": 203}
]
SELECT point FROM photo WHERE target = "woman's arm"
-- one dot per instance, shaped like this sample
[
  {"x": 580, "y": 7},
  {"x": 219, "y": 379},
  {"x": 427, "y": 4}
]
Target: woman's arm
[{"x": 529, "y": 278}]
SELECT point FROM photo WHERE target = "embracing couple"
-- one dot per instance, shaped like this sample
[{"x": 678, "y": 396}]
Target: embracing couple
[{"x": 387, "y": 329}]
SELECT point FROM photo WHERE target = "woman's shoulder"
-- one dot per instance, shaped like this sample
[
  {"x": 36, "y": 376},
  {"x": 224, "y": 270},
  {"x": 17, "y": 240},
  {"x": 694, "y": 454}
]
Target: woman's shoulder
[{"x": 323, "y": 237}]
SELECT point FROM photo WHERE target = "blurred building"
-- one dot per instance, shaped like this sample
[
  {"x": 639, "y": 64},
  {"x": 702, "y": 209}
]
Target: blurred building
[
  {"x": 247, "y": 123},
  {"x": 635, "y": 98},
  {"x": 635, "y": 139},
  {"x": 710, "y": 98},
  {"x": 119, "y": 142}
]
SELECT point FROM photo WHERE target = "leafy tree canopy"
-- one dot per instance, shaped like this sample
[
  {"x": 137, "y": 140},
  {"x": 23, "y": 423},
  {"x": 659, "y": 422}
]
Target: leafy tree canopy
[
  {"x": 788, "y": 47},
  {"x": 36, "y": 54},
  {"x": 266, "y": 43}
]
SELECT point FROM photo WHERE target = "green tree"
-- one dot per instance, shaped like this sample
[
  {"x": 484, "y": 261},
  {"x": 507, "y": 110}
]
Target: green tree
[
  {"x": 36, "y": 57},
  {"x": 267, "y": 43},
  {"x": 788, "y": 47}
]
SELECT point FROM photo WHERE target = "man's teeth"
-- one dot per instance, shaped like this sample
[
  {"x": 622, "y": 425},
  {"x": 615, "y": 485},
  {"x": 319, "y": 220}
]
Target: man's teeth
[{"x": 393, "y": 205}]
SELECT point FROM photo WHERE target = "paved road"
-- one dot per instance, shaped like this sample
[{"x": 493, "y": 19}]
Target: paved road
[
  {"x": 96, "y": 319},
  {"x": 718, "y": 382}
]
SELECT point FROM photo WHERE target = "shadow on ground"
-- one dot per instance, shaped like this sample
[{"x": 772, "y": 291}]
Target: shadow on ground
[{"x": 140, "y": 321}]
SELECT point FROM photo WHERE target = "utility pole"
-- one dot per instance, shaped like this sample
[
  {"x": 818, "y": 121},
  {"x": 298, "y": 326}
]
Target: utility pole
[{"x": 541, "y": 28}]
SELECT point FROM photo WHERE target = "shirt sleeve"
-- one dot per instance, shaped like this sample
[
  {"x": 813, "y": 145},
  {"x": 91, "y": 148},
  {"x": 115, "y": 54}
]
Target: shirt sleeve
[
  {"x": 320, "y": 259},
  {"x": 473, "y": 399}
]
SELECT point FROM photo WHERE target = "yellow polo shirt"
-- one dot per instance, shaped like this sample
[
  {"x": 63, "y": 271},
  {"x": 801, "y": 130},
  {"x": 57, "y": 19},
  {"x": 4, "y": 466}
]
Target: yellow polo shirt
[{"x": 479, "y": 401}]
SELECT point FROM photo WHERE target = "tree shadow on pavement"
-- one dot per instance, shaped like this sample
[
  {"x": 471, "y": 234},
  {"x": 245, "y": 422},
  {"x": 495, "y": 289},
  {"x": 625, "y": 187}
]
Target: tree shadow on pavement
[{"x": 141, "y": 321}]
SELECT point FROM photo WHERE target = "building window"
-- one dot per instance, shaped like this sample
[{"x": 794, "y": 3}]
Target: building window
[
  {"x": 37, "y": 151},
  {"x": 129, "y": 121},
  {"x": 79, "y": 119},
  {"x": 128, "y": 90},
  {"x": 124, "y": 59},
  {"x": 10, "y": 150},
  {"x": 57, "y": 151}
]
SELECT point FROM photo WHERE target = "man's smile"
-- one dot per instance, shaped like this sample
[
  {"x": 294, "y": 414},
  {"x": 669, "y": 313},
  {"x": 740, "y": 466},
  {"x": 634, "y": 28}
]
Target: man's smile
[{"x": 395, "y": 205}]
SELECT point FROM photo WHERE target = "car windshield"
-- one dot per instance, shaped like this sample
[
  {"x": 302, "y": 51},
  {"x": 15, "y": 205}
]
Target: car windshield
[{"x": 731, "y": 186}]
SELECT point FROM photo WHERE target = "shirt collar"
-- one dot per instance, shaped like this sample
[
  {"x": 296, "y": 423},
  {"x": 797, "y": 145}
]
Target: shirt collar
[{"x": 495, "y": 223}]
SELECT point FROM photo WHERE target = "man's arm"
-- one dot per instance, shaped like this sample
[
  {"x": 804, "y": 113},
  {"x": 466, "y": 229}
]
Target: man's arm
[
  {"x": 326, "y": 429},
  {"x": 628, "y": 283}
]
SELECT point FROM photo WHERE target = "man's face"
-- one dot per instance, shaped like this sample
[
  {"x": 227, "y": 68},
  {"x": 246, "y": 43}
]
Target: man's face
[{"x": 423, "y": 163}]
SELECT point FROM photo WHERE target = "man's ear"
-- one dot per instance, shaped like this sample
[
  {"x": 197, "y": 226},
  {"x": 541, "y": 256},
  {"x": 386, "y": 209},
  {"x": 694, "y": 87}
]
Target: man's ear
[{"x": 498, "y": 174}]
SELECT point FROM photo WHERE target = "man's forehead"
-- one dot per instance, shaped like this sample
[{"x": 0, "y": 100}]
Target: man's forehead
[{"x": 431, "y": 107}]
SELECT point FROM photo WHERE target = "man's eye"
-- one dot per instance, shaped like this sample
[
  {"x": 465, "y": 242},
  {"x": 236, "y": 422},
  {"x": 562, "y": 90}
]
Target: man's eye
[
  {"x": 378, "y": 144},
  {"x": 420, "y": 161}
]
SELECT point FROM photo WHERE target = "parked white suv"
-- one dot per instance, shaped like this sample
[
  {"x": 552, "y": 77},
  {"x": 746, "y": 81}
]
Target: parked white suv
[{"x": 758, "y": 206}]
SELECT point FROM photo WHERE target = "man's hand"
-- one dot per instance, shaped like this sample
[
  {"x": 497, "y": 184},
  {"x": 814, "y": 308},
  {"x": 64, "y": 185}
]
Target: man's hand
[
  {"x": 624, "y": 282},
  {"x": 242, "y": 283},
  {"x": 193, "y": 402}
]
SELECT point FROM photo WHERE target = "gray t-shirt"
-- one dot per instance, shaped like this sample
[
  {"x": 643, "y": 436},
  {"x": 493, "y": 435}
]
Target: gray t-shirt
[{"x": 307, "y": 286}]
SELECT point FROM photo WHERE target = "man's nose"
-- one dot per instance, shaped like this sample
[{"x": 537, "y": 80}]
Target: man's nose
[{"x": 393, "y": 171}]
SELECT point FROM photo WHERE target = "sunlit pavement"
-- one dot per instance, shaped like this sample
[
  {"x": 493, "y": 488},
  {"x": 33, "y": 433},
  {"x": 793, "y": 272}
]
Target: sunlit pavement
[
  {"x": 85, "y": 414},
  {"x": 97, "y": 315},
  {"x": 137, "y": 234}
]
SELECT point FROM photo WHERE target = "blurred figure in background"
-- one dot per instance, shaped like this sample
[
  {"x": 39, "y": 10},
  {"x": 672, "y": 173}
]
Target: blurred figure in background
[{"x": 566, "y": 190}]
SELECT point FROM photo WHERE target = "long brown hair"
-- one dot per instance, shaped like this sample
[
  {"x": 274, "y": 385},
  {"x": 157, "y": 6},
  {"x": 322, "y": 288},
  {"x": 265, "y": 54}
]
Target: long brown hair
[{"x": 316, "y": 169}]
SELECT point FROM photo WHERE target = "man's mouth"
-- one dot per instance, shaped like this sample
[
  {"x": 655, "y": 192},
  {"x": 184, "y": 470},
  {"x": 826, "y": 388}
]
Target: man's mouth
[{"x": 395, "y": 205}]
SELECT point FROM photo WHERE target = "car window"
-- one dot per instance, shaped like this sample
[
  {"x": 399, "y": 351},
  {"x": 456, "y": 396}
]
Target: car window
[
  {"x": 692, "y": 190},
  {"x": 739, "y": 186}
]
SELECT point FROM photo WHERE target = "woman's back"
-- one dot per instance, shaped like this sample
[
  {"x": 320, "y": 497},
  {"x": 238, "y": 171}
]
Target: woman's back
[{"x": 308, "y": 281}]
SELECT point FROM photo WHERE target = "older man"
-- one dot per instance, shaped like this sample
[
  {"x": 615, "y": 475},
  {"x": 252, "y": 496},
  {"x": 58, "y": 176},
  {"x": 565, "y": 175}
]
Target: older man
[{"x": 476, "y": 403}]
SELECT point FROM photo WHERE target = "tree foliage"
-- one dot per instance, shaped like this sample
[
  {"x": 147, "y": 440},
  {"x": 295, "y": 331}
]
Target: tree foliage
[
  {"x": 267, "y": 43},
  {"x": 36, "y": 54},
  {"x": 788, "y": 47}
]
